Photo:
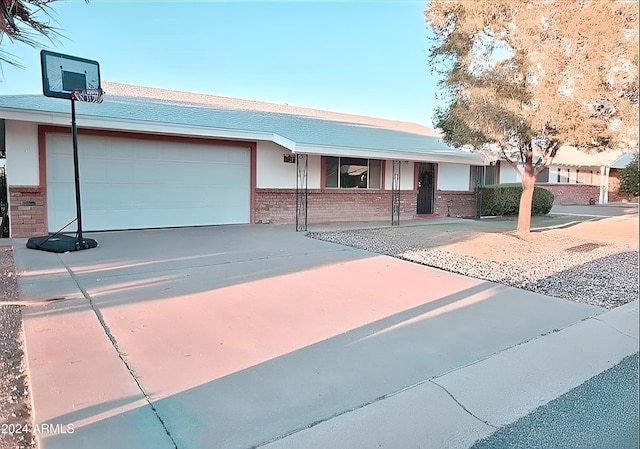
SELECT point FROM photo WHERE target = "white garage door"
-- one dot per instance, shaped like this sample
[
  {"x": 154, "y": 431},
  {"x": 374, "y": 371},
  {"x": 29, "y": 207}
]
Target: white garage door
[{"x": 136, "y": 184}]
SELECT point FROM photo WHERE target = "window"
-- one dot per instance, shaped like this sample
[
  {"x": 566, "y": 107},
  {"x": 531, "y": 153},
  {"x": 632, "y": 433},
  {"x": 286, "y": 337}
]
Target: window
[
  {"x": 584, "y": 176},
  {"x": 476, "y": 179},
  {"x": 482, "y": 176},
  {"x": 563, "y": 175},
  {"x": 543, "y": 176},
  {"x": 490, "y": 175},
  {"x": 352, "y": 173}
]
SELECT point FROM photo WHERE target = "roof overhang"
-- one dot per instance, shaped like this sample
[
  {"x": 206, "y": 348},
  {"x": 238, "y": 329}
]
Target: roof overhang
[
  {"x": 437, "y": 154},
  {"x": 453, "y": 156},
  {"x": 143, "y": 126}
]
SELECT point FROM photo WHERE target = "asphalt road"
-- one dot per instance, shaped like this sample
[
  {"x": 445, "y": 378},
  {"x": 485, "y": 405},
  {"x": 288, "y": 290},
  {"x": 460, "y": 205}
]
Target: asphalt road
[
  {"x": 601, "y": 413},
  {"x": 599, "y": 210}
]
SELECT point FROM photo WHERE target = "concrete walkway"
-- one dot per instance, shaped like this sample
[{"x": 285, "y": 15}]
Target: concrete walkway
[{"x": 256, "y": 336}]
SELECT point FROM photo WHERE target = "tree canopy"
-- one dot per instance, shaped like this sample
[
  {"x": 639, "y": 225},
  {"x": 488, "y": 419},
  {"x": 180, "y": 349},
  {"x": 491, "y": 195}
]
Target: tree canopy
[
  {"x": 529, "y": 76},
  {"x": 630, "y": 178},
  {"x": 25, "y": 21}
]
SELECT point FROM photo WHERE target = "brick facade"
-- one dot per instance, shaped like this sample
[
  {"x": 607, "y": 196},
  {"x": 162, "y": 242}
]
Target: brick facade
[
  {"x": 614, "y": 186},
  {"x": 27, "y": 211},
  {"x": 568, "y": 194},
  {"x": 455, "y": 204},
  {"x": 331, "y": 205}
]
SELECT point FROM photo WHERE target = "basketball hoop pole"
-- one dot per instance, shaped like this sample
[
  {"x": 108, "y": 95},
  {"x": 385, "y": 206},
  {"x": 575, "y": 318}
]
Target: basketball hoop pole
[{"x": 80, "y": 244}]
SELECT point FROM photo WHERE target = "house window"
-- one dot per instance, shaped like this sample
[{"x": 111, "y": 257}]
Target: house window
[
  {"x": 491, "y": 175},
  {"x": 543, "y": 176},
  {"x": 352, "y": 173},
  {"x": 584, "y": 177},
  {"x": 563, "y": 176},
  {"x": 476, "y": 178}
]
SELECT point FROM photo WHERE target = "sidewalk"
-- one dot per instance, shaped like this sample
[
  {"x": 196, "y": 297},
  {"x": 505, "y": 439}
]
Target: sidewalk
[
  {"x": 455, "y": 409},
  {"x": 258, "y": 336}
]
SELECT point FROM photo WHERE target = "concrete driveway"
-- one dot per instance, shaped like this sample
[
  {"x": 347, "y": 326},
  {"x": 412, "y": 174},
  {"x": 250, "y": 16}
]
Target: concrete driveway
[{"x": 251, "y": 336}]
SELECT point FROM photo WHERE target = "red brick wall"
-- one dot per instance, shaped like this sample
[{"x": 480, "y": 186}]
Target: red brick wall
[
  {"x": 333, "y": 205},
  {"x": 27, "y": 213},
  {"x": 572, "y": 193},
  {"x": 457, "y": 204},
  {"x": 614, "y": 186}
]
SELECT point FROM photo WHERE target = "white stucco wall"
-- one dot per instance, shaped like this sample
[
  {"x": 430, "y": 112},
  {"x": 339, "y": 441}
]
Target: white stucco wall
[
  {"x": 406, "y": 175},
  {"x": 453, "y": 177},
  {"x": 314, "y": 172},
  {"x": 22, "y": 153},
  {"x": 273, "y": 173},
  {"x": 508, "y": 174}
]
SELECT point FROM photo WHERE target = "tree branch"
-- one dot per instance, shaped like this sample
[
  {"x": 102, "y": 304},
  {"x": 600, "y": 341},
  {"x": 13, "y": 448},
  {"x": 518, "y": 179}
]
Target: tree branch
[{"x": 510, "y": 162}]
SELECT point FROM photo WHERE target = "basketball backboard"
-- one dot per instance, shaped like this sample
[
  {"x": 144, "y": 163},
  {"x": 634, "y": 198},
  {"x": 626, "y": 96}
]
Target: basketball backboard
[{"x": 62, "y": 74}]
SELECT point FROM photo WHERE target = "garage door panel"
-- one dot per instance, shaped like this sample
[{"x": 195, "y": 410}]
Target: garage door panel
[
  {"x": 96, "y": 167},
  {"x": 120, "y": 171},
  {"x": 60, "y": 169},
  {"x": 133, "y": 184}
]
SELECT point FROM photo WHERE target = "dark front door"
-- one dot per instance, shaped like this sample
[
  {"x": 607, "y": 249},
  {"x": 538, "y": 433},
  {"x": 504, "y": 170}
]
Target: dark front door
[{"x": 425, "y": 188}]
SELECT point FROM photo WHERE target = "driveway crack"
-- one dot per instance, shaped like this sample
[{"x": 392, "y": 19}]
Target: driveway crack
[{"x": 121, "y": 354}]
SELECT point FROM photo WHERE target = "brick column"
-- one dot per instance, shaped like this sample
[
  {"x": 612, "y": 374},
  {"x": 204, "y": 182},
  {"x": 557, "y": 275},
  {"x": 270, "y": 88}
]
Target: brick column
[{"x": 26, "y": 211}]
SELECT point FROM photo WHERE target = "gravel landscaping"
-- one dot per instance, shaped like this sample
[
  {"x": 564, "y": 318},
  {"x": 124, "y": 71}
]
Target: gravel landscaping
[
  {"x": 15, "y": 404},
  {"x": 559, "y": 262}
]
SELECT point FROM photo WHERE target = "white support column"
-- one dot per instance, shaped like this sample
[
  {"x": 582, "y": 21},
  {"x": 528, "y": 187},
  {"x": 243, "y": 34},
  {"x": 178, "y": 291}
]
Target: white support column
[
  {"x": 601, "y": 199},
  {"x": 606, "y": 185}
]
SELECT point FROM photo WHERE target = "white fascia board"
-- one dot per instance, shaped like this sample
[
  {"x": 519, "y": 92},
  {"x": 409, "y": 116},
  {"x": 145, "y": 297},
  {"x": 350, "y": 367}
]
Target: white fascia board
[
  {"x": 454, "y": 156},
  {"x": 140, "y": 126},
  {"x": 284, "y": 142}
]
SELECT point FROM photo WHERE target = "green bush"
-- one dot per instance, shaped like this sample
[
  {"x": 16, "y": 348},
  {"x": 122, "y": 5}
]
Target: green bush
[
  {"x": 630, "y": 178},
  {"x": 504, "y": 199}
]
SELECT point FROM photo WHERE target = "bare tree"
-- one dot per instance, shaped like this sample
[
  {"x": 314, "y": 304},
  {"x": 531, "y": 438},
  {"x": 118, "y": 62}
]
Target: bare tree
[{"x": 524, "y": 78}]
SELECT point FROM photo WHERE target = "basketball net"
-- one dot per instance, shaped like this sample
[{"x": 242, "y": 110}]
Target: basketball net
[{"x": 88, "y": 95}]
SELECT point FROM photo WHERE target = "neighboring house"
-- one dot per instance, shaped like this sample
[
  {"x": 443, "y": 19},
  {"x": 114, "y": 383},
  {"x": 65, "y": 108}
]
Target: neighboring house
[
  {"x": 152, "y": 158},
  {"x": 577, "y": 177},
  {"x": 614, "y": 177}
]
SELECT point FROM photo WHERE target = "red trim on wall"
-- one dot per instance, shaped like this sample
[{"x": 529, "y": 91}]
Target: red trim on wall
[
  {"x": 435, "y": 178},
  {"x": 323, "y": 172},
  {"x": 252, "y": 181},
  {"x": 144, "y": 136}
]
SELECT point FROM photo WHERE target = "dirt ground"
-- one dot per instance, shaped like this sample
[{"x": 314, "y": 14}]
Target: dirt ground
[{"x": 546, "y": 239}]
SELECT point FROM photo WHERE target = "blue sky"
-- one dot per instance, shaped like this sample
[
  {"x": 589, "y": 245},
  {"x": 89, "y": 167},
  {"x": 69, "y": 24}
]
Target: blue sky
[{"x": 366, "y": 58}]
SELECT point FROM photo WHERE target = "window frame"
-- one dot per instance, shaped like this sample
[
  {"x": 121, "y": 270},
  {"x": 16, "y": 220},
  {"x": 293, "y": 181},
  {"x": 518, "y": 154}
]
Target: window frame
[{"x": 339, "y": 187}]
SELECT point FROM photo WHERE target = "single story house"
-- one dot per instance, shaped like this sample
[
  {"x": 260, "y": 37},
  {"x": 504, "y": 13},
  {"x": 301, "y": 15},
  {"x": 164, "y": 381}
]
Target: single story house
[
  {"x": 614, "y": 176},
  {"x": 577, "y": 177},
  {"x": 152, "y": 158}
]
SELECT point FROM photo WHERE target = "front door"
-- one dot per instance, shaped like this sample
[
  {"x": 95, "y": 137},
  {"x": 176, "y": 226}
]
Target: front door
[{"x": 425, "y": 188}]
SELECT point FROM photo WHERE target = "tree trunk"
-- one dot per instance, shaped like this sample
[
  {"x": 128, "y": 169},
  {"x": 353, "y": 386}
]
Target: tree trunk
[{"x": 528, "y": 183}]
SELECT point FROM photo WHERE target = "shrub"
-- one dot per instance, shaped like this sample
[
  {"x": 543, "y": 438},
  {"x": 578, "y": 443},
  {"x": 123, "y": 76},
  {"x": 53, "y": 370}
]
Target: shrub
[
  {"x": 504, "y": 199},
  {"x": 630, "y": 178}
]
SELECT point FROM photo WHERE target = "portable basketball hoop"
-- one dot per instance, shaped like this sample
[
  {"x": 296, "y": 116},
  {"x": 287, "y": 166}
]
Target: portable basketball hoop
[{"x": 76, "y": 79}]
